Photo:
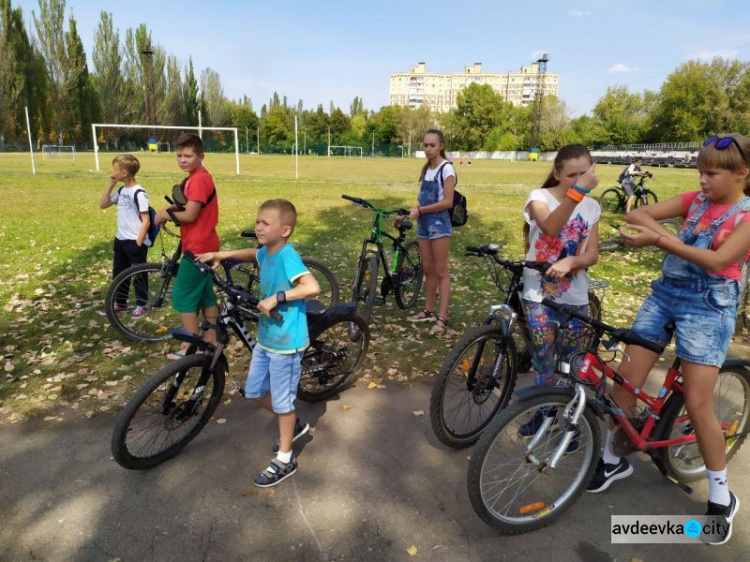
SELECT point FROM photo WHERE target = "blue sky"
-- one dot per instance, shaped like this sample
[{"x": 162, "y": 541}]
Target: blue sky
[{"x": 322, "y": 50}]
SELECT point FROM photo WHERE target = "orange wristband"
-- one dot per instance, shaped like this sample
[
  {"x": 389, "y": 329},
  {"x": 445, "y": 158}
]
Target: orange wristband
[{"x": 576, "y": 196}]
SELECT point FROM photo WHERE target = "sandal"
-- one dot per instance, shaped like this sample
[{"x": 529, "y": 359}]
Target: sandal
[
  {"x": 275, "y": 473},
  {"x": 440, "y": 327},
  {"x": 422, "y": 316}
]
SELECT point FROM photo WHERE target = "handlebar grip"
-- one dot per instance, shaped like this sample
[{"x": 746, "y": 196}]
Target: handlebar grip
[
  {"x": 474, "y": 249},
  {"x": 169, "y": 200},
  {"x": 174, "y": 219},
  {"x": 356, "y": 200},
  {"x": 402, "y": 212},
  {"x": 540, "y": 266},
  {"x": 275, "y": 315}
]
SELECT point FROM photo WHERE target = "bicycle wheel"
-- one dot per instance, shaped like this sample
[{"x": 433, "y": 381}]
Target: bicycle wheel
[
  {"x": 732, "y": 406},
  {"x": 647, "y": 197},
  {"x": 166, "y": 413},
  {"x": 142, "y": 284},
  {"x": 475, "y": 381},
  {"x": 508, "y": 490},
  {"x": 408, "y": 276},
  {"x": 611, "y": 200},
  {"x": 329, "y": 285},
  {"x": 365, "y": 289},
  {"x": 332, "y": 358}
]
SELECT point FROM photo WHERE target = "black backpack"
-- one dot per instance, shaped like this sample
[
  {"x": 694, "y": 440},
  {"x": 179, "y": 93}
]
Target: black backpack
[
  {"x": 458, "y": 212},
  {"x": 624, "y": 175},
  {"x": 153, "y": 228}
]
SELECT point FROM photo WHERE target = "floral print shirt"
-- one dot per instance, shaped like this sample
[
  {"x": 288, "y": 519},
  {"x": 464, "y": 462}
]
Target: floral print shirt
[{"x": 570, "y": 241}]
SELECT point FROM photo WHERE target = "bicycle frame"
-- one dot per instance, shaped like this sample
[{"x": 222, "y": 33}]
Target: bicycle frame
[{"x": 376, "y": 238}]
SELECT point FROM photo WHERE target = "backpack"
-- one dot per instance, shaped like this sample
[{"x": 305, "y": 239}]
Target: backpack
[
  {"x": 178, "y": 195},
  {"x": 624, "y": 175},
  {"x": 458, "y": 212},
  {"x": 153, "y": 228}
]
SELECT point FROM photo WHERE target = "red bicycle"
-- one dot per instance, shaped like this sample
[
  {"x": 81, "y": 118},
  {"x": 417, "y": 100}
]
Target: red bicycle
[{"x": 519, "y": 483}]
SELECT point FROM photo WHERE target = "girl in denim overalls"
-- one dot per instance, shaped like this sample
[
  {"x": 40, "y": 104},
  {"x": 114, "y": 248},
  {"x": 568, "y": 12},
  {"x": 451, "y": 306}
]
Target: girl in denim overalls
[
  {"x": 697, "y": 295},
  {"x": 434, "y": 229}
]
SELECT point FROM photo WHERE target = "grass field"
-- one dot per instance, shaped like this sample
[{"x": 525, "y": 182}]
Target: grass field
[{"x": 60, "y": 355}]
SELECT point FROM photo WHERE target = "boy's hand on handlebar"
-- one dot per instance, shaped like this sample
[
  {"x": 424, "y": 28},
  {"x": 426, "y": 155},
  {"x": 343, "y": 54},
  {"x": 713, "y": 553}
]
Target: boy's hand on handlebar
[
  {"x": 560, "y": 268},
  {"x": 639, "y": 239},
  {"x": 209, "y": 257},
  {"x": 589, "y": 179},
  {"x": 266, "y": 306}
]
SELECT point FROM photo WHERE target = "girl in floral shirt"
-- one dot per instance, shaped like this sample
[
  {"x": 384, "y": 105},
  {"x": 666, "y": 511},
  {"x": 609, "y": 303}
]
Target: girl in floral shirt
[{"x": 562, "y": 229}]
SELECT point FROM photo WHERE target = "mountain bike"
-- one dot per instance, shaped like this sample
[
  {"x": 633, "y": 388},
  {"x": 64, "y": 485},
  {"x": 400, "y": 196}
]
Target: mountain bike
[
  {"x": 613, "y": 199},
  {"x": 477, "y": 377},
  {"x": 150, "y": 285},
  {"x": 403, "y": 277},
  {"x": 175, "y": 404},
  {"x": 518, "y": 484}
]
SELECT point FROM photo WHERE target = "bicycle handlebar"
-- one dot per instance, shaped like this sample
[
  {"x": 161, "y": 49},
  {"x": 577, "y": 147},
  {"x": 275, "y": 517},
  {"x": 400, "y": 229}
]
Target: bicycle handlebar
[
  {"x": 368, "y": 205},
  {"x": 231, "y": 290},
  {"x": 624, "y": 335},
  {"x": 491, "y": 250}
]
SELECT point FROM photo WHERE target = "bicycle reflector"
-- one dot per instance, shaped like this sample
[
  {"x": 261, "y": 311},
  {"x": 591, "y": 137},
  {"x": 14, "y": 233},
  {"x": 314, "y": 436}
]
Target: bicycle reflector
[{"x": 531, "y": 507}]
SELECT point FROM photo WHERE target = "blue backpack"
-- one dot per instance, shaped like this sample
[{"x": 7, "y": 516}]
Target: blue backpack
[{"x": 153, "y": 228}]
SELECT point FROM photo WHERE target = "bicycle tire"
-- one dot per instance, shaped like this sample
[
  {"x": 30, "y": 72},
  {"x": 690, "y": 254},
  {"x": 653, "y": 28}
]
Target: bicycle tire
[
  {"x": 323, "y": 372},
  {"x": 591, "y": 340},
  {"x": 454, "y": 373},
  {"x": 500, "y": 446},
  {"x": 730, "y": 397},
  {"x": 366, "y": 286},
  {"x": 154, "y": 326},
  {"x": 408, "y": 276},
  {"x": 647, "y": 197},
  {"x": 611, "y": 200},
  {"x": 125, "y": 450}
]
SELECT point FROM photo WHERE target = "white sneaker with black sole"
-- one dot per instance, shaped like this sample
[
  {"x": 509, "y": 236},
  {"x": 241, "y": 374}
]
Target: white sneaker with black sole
[
  {"x": 607, "y": 473},
  {"x": 721, "y": 517}
]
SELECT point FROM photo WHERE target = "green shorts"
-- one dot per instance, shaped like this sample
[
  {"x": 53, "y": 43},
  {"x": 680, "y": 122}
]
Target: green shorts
[{"x": 192, "y": 289}]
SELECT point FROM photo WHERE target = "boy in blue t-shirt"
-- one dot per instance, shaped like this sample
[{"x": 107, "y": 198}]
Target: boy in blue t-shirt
[{"x": 275, "y": 368}]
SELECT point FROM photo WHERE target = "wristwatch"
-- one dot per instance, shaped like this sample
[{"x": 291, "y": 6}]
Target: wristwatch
[{"x": 281, "y": 297}]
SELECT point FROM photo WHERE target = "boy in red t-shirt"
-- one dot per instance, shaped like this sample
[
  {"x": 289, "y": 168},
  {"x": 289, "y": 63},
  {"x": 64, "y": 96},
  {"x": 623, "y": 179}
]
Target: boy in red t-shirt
[{"x": 192, "y": 290}]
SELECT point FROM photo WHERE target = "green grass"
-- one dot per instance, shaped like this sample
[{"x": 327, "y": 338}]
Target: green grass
[{"x": 56, "y": 247}]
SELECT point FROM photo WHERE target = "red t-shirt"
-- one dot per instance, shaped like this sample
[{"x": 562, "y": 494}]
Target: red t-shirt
[
  {"x": 712, "y": 213},
  {"x": 200, "y": 236}
]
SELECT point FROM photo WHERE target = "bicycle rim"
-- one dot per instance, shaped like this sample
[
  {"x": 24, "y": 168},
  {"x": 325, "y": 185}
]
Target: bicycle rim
[
  {"x": 160, "y": 419},
  {"x": 611, "y": 201},
  {"x": 513, "y": 494}
]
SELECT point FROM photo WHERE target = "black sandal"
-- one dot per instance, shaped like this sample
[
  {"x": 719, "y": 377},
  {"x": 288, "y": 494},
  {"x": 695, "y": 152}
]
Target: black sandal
[
  {"x": 275, "y": 473},
  {"x": 423, "y": 315},
  {"x": 440, "y": 327}
]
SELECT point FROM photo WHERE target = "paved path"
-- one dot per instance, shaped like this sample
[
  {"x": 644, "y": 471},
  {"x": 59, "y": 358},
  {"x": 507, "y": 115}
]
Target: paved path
[{"x": 372, "y": 482}]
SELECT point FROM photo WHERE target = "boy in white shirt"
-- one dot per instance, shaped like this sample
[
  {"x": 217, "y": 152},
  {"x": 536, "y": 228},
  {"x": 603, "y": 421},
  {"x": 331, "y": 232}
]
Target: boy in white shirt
[{"x": 131, "y": 241}]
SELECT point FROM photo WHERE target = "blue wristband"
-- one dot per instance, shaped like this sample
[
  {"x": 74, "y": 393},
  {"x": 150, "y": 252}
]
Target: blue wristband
[{"x": 580, "y": 189}]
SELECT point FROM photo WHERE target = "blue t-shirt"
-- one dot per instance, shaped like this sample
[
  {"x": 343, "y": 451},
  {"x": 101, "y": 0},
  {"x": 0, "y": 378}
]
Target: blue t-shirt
[{"x": 279, "y": 272}]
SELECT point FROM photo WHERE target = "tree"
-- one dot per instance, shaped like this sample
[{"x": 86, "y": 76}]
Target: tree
[
  {"x": 213, "y": 94},
  {"x": 357, "y": 107},
  {"x": 172, "y": 109},
  {"x": 621, "y": 115},
  {"x": 62, "y": 68},
  {"x": 480, "y": 110},
  {"x": 11, "y": 80},
  {"x": 108, "y": 79},
  {"x": 85, "y": 108},
  {"x": 339, "y": 125},
  {"x": 190, "y": 95}
]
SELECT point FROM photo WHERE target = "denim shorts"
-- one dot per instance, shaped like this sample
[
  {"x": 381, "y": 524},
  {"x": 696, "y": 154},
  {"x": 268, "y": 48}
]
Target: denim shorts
[
  {"x": 703, "y": 313},
  {"x": 434, "y": 225},
  {"x": 277, "y": 373}
]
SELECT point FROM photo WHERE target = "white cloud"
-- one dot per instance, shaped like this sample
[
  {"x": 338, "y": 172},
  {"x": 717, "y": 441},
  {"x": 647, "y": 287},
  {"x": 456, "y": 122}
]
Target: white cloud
[
  {"x": 621, "y": 67},
  {"x": 709, "y": 55},
  {"x": 578, "y": 13}
]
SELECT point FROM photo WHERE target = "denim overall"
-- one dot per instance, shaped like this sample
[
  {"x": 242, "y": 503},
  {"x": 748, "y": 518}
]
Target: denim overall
[
  {"x": 698, "y": 307},
  {"x": 433, "y": 225}
]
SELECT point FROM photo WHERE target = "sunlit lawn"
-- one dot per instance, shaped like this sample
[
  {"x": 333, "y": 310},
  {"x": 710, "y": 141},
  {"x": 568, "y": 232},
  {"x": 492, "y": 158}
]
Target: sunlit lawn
[{"x": 56, "y": 260}]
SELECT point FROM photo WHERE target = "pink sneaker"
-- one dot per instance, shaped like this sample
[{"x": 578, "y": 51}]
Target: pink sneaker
[
  {"x": 121, "y": 307},
  {"x": 140, "y": 311}
]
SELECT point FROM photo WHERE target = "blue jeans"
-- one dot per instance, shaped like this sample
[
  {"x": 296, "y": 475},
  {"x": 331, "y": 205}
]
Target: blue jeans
[
  {"x": 277, "y": 373},
  {"x": 703, "y": 312}
]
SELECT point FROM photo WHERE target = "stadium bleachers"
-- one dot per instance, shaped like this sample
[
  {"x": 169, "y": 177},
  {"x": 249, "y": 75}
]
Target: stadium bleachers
[{"x": 653, "y": 155}]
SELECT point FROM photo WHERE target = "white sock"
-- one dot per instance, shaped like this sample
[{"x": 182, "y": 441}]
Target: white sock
[
  {"x": 609, "y": 457},
  {"x": 284, "y": 457},
  {"x": 718, "y": 487}
]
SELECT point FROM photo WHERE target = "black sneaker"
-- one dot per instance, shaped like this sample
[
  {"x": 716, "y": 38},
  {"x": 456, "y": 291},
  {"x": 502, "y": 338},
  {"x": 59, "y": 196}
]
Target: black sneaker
[
  {"x": 607, "y": 473},
  {"x": 532, "y": 426},
  {"x": 719, "y": 517},
  {"x": 276, "y": 472},
  {"x": 299, "y": 430}
]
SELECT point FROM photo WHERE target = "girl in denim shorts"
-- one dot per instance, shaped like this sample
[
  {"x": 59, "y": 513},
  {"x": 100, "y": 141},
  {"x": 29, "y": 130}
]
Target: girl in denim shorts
[
  {"x": 434, "y": 230},
  {"x": 695, "y": 300}
]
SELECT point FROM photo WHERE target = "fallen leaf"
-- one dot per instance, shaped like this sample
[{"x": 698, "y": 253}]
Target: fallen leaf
[
  {"x": 346, "y": 407},
  {"x": 412, "y": 550},
  {"x": 418, "y": 413},
  {"x": 372, "y": 385},
  {"x": 221, "y": 421}
]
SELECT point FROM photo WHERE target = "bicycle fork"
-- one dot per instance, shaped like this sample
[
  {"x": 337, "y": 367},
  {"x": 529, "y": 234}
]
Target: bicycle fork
[{"x": 577, "y": 405}]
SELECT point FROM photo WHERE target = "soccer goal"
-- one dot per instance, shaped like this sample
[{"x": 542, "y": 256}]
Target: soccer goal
[
  {"x": 345, "y": 151},
  {"x": 58, "y": 152},
  {"x": 200, "y": 129}
]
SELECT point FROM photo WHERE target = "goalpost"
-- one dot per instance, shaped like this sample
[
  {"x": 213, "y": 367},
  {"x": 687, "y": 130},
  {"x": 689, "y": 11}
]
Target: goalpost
[
  {"x": 59, "y": 152},
  {"x": 346, "y": 150},
  {"x": 200, "y": 129}
]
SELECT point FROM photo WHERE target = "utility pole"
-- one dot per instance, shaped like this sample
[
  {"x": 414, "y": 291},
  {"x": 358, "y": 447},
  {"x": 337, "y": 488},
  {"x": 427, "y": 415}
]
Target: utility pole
[
  {"x": 258, "y": 138},
  {"x": 536, "y": 119},
  {"x": 147, "y": 58},
  {"x": 373, "y": 145}
]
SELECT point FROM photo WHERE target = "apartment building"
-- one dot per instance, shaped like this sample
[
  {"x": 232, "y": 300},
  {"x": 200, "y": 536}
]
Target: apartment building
[{"x": 439, "y": 91}]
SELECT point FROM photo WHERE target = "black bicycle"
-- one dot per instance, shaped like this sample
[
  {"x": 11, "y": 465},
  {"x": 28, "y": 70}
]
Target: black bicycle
[
  {"x": 613, "y": 199},
  {"x": 403, "y": 277},
  {"x": 174, "y": 405},
  {"x": 477, "y": 378},
  {"x": 149, "y": 285}
]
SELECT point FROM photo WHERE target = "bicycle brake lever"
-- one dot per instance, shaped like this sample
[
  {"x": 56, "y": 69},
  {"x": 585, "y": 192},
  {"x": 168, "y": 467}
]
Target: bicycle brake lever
[{"x": 615, "y": 349}]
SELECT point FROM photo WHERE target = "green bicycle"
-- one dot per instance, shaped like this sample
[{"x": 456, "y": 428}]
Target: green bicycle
[{"x": 403, "y": 276}]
